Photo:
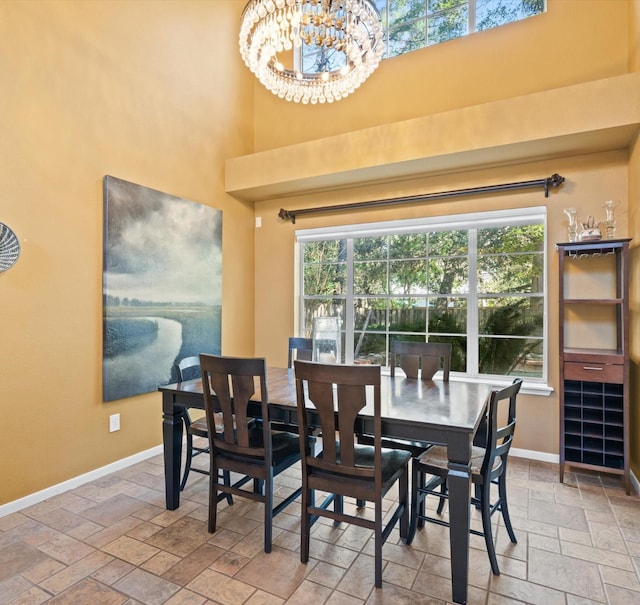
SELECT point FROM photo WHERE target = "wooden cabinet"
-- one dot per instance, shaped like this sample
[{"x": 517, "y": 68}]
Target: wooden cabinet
[{"x": 594, "y": 356}]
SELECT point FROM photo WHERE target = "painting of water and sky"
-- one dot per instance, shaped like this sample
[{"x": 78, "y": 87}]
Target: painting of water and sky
[{"x": 162, "y": 286}]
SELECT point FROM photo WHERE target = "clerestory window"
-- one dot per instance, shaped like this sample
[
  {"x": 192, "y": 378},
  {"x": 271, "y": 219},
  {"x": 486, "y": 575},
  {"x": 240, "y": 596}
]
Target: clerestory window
[
  {"x": 475, "y": 280},
  {"x": 413, "y": 24}
]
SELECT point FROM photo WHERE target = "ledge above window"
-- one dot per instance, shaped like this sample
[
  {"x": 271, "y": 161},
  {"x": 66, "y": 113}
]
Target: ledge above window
[{"x": 556, "y": 123}]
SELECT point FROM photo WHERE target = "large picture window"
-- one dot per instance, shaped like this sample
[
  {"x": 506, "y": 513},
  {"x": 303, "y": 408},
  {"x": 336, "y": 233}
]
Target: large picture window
[{"x": 476, "y": 281}]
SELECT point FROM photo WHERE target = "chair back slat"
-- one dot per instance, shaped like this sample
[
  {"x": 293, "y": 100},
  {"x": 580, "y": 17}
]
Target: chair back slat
[
  {"x": 188, "y": 368},
  {"x": 427, "y": 357},
  {"x": 299, "y": 348},
  {"x": 232, "y": 383},
  {"x": 339, "y": 393},
  {"x": 500, "y": 438}
]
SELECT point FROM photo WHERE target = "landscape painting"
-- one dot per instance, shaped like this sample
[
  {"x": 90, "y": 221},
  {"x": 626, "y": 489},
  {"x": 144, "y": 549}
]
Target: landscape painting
[{"x": 162, "y": 285}]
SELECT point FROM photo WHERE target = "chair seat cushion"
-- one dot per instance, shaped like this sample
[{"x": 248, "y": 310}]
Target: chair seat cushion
[
  {"x": 436, "y": 459},
  {"x": 199, "y": 427},
  {"x": 392, "y": 460},
  {"x": 283, "y": 446}
]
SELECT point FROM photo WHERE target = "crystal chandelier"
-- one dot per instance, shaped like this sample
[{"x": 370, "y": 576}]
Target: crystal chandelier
[{"x": 311, "y": 51}]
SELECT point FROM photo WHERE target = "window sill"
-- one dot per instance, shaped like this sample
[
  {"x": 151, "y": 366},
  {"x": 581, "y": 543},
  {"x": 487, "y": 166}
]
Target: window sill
[{"x": 528, "y": 388}]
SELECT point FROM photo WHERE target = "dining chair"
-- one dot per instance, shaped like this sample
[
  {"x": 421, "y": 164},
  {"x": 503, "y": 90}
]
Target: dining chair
[
  {"x": 299, "y": 348},
  {"x": 488, "y": 467},
  {"x": 336, "y": 394},
  {"x": 187, "y": 369},
  {"x": 230, "y": 385},
  {"x": 415, "y": 355},
  {"x": 427, "y": 357}
]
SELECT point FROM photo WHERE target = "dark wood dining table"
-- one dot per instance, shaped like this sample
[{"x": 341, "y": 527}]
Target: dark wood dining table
[{"x": 443, "y": 413}]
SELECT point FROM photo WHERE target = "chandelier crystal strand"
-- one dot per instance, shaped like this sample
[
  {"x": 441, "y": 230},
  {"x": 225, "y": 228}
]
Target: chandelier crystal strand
[{"x": 349, "y": 30}]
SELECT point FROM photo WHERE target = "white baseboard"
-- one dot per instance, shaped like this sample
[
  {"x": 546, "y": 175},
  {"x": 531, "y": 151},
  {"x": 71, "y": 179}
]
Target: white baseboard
[
  {"x": 533, "y": 455},
  {"x": 544, "y": 457},
  {"x": 54, "y": 490}
]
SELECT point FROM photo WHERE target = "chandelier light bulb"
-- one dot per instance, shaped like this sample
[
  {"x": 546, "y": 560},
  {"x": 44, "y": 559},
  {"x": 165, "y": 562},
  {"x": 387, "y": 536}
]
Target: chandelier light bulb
[{"x": 344, "y": 37}]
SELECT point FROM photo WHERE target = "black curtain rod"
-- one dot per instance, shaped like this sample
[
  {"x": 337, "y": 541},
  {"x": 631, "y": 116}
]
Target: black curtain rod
[{"x": 555, "y": 180}]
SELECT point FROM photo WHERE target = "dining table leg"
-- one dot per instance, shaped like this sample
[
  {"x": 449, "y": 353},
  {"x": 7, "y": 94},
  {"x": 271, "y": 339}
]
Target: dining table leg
[
  {"x": 459, "y": 485},
  {"x": 172, "y": 447}
]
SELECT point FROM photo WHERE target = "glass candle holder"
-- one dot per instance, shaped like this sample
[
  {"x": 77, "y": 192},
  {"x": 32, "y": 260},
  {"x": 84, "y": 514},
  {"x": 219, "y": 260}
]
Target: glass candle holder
[
  {"x": 610, "y": 220},
  {"x": 573, "y": 224}
]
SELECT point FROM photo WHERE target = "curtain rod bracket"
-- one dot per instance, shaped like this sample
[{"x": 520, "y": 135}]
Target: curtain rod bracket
[
  {"x": 287, "y": 216},
  {"x": 555, "y": 180}
]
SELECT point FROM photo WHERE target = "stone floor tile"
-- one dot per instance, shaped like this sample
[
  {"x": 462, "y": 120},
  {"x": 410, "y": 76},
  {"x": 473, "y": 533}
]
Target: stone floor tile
[
  {"x": 259, "y": 572},
  {"x": 622, "y": 596},
  {"x": 221, "y": 588},
  {"x": 339, "y": 598},
  {"x": 607, "y": 537},
  {"x": 619, "y": 577},
  {"x": 326, "y": 574},
  {"x": 561, "y": 515},
  {"x": 89, "y": 591},
  {"x": 112, "y": 509},
  {"x": 578, "y": 544},
  {"x": 146, "y": 587},
  {"x": 160, "y": 563},
  {"x": 308, "y": 592},
  {"x": 12, "y": 588},
  {"x": 229, "y": 563},
  {"x": 181, "y": 537},
  {"x": 33, "y": 596},
  {"x": 186, "y": 597},
  {"x": 194, "y": 563},
  {"x": 566, "y": 574},
  {"x": 602, "y": 557},
  {"x": 131, "y": 550},
  {"x": 358, "y": 580},
  {"x": 527, "y": 592},
  {"x": 264, "y": 598},
  {"x": 17, "y": 558},
  {"x": 66, "y": 549},
  {"x": 79, "y": 570}
]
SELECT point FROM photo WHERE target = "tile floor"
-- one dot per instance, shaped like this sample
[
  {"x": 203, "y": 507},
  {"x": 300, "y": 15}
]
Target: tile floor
[{"x": 112, "y": 542}]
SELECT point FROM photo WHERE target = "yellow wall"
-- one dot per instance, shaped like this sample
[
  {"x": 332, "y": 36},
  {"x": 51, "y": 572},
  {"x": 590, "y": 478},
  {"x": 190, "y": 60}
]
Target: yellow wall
[
  {"x": 634, "y": 227},
  {"x": 574, "y": 41},
  {"x": 151, "y": 92}
]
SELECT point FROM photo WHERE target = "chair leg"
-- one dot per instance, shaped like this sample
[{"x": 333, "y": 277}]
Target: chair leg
[
  {"x": 268, "y": 512},
  {"x": 443, "y": 491},
  {"x": 305, "y": 523},
  {"x": 213, "y": 498},
  {"x": 504, "y": 507},
  {"x": 421, "y": 502},
  {"x": 378, "y": 544},
  {"x": 485, "y": 503},
  {"x": 226, "y": 478},
  {"x": 403, "y": 499},
  {"x": 478, "y": 494},
  {"x": 187, "y": 463},
  {"x": 417, "y": 502},
  {"x": 338, "y": 506}
]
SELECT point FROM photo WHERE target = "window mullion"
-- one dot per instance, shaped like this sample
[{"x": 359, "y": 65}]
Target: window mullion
[
  {"x": 472, "y": 306},
  {"x": 471, "y": 16},
  {"x": 349, "y": 307}
]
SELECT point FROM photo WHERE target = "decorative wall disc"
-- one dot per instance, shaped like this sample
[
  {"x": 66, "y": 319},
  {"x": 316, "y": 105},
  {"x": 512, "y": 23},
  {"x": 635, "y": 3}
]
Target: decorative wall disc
[{"x": 9, "y": 248}]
